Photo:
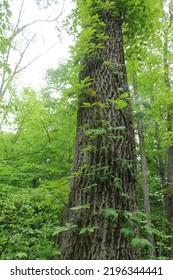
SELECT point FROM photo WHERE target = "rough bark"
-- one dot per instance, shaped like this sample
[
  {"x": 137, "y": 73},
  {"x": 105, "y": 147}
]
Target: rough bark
[{"x": 105, "y": 175}]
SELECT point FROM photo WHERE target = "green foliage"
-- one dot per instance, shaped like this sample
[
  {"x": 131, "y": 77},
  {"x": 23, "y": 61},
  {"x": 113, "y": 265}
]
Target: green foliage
[
  {"x": 111, "y": 213},
  {"x": 40, "y": 146},
  {"x": 28, "y": 217},
  {"x": 92, "y": 133},
  {"x": 126, "y": 232},
  {"x": 140, "y": 243},
  {"x": 37, "y": 143}
]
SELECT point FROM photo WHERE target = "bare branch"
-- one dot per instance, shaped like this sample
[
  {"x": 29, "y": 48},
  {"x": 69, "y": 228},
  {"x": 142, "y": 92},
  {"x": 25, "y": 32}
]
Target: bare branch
[
  {"x": 6, "y": 81},
  {"x": 20, "y": 14},
  {"x": 17, "y": 30},
  {"x": 33, "y": 60}
]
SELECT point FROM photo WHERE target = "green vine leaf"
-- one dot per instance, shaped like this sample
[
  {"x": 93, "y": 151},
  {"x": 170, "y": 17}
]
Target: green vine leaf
[
  {"x": 120, "y": 104},
  {"x": 21, "y": 255},
  {"x": 68, "y": 226},
  {"x": 117, "y": 128},
  {"x": 79, "y": 207},
  {"x": 88, "y": 229},
  {"x": 140, "y": 243},
  {"x": 126, "y": 232},
  {"x": 111, "y": 213}
]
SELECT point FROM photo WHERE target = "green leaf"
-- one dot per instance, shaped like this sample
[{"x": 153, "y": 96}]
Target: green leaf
[
  {"x": 117, "y": 128},
  {"x": 111, "y": 213},
  {"x": 106, "y": 62},
  {"x": 88, "y": 148},
  {"x": 140, "y": 243},
  {"x": 125, "y": 196},
  {"x": 126, "y": 232},
  {"x": 79, "y": 207},
  {"x": 89, "y": 187},
  {"x": 100, "y": 104},
  {"x": 120, "y": 104},
  {"x": 94, "y": 132},
  {"x": 86, "y": 105},
  {"x": 68, "y": 226},
  {"x": 88, "y": 229},
  {"x": 117, "y": 183},
  {"x": 21, "y": 255}
]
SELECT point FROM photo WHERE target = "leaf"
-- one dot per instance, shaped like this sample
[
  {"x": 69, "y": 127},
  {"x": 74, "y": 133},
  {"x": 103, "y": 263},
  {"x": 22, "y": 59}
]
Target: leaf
[
  {"x": 87, "y": 229},
  {"x": 60, "y": 229},
  {"x": 68, "y": 226},
  {"x": 120, "y": 104},
  {"x": 79, "y": 207},
  {"x": 126, "y": 232},
  {"x": 140, "y": 242},
  {"x": 100, "y": 104},
  {"x": 117, "y": 128},
  {"x": 125, "y": 196},
  {"x": 21, "y": 255},
  {"x": 88, "y": 148},
  {"x": 146, "y": 105},
  {"x": 111, "y": 213},
  {"x": 89, "y": 187},
  {"x": 94, "y": 132},
  {"x": 121, "y": 89},
  {"x": 117, "y": 183},
  {"x": 127, "y": 214},
  {"x": 86, "y": 105},
  {"x": 106, "y": 62}
]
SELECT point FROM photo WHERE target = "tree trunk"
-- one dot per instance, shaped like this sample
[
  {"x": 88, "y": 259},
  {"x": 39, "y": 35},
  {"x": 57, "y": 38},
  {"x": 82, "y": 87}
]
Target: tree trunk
[
  {"x": 169, "y": 185},
  {"x": 169, "y": 197},
  {"x": 104, "y": 169},
  {"x": 161, "y": 165},
  {"x": 146, "y": 201}
]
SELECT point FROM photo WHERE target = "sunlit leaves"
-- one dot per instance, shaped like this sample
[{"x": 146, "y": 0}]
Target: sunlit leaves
[
  {"x": 119, "y": 103},
  {"x": 89, "y": 229}
]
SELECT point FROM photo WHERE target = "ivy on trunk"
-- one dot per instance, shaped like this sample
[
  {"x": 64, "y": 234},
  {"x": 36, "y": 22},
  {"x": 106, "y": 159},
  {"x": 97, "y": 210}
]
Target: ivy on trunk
[{"x": 103, "y": 186}]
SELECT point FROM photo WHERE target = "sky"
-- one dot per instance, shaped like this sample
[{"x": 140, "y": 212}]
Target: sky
[{"x": 47, "y": 37}]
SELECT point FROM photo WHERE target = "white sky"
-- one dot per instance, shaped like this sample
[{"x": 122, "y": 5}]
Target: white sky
[{"x": 47, "y": 37}]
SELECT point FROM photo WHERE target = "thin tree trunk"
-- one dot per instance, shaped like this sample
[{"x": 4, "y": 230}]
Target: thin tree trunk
[
  {"x": 104, "y": 168},
  {"x": 161, "y": 164},
  {"x": 146, "y": 201},
  {"x": 169, "y": 186}
]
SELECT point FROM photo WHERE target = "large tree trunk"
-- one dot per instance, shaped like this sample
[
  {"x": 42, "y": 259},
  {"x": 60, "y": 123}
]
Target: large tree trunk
[{"x": 104, "y": 170}]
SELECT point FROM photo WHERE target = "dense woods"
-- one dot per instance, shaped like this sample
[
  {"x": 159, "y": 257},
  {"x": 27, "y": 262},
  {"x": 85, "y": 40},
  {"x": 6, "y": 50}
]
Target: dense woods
[{"x": 86, "y": 161}]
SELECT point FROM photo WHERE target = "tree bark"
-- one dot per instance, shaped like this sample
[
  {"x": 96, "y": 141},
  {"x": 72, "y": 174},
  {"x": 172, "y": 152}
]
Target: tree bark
[{"x": 104, "y": 169}]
